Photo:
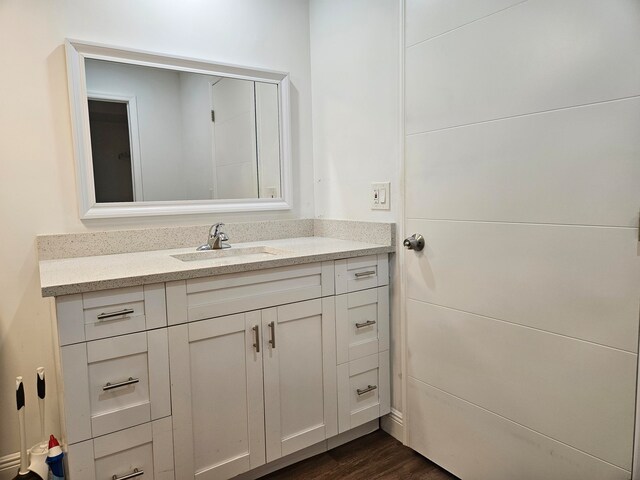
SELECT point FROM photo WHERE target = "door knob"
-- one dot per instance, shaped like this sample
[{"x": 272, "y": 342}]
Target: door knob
[{"x": 414, "y": 242}]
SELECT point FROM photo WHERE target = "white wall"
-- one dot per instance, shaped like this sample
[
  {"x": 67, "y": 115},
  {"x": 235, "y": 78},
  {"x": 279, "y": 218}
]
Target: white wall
[
  {"x": 355, "y": 66},
  {"x": 38, "y": 193}
]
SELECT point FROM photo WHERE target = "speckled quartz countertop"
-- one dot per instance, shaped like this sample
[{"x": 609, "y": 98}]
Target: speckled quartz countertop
[{"x": 65, "y": 276}]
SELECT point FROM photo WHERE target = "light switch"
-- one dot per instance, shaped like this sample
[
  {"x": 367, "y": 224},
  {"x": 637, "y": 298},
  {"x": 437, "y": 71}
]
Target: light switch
[{"x": 380, "y": 196}]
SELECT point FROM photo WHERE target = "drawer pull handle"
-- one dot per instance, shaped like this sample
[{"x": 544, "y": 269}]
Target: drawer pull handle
[
  {"x": 272, "y": 340},
  {"x": 365, "y": 324},
  {"x": 124, "y": 311},
  {"x": 369, "y": 388},
  {"x": 368, "y": 273},
  {"x": 256, "y": 332},
  {"x": 134, "y": 474},
  {"x": 129, "y": 381}
]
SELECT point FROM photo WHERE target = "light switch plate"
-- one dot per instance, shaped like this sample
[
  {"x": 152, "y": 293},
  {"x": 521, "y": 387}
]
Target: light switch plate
[{"x": 380, "y": 196}]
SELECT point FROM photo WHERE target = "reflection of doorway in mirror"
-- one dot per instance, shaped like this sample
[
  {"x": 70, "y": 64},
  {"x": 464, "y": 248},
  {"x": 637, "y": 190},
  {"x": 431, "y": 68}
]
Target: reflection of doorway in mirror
[
  {"x": 268, "y": 139},
  {"x": 234, "y": 138},
  {"x": 116, "y": 159}
]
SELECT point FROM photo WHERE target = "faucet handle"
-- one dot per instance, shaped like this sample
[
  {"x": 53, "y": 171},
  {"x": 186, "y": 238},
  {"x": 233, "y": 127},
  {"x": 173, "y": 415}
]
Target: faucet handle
[{"x": 216, "y": 229}]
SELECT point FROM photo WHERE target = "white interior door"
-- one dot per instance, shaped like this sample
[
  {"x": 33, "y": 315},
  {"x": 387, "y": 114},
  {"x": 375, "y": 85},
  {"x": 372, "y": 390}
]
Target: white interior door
[
  {"x": 234, "y": 137},
  {"x": 522, "y": 171}
]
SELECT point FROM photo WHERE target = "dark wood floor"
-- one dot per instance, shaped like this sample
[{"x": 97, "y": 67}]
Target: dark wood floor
[{"x": 377, "y": 455}]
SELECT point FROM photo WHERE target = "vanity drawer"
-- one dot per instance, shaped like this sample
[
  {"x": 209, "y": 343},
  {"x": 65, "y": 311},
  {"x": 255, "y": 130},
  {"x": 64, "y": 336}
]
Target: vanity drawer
[
  {"x": 145, "y": 450},
  {"x": 363, "y": 390},
  {"x": 201, "y": 298},
  {"x": 115, "y": 383},
  {"x": 360, "y": 273},
  {"x": 94, "y": 315},
  {"x": 362, "y": 323}
]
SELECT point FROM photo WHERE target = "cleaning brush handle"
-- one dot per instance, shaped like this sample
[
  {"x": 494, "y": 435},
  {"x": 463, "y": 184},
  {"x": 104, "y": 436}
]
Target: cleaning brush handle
[
  {"x": 19, "y": 393},
  {"x": 24, "y": 460},
  {"x": 41, "y": 388},
  {"x": 40, "y": 382}
]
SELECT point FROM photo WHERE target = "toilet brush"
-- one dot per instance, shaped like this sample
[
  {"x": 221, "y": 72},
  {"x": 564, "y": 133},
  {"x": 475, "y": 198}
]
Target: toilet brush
[{"x": 23, "y": 473}]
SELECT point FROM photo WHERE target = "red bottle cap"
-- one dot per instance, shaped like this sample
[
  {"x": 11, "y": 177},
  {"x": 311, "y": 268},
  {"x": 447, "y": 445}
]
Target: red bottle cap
[{"x": 53, "y": 442}]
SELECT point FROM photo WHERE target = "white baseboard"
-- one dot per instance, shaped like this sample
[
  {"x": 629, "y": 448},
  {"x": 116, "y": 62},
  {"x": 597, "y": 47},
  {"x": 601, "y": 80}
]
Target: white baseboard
[
  {"x": 9, "y": 465},
  {"x": 393, "y": 424}
]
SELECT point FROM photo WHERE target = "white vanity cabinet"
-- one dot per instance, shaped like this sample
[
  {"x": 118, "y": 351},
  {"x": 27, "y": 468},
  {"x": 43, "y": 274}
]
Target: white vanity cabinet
[{"x": 211, "y": 377}]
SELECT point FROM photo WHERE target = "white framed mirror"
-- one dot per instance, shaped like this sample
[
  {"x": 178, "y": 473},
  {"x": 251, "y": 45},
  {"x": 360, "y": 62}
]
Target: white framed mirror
[{"x": 160, "y": 135}]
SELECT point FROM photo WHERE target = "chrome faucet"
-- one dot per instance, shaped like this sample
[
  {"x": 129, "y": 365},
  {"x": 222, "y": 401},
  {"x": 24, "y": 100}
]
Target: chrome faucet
[{"x": 216, "y": 237}]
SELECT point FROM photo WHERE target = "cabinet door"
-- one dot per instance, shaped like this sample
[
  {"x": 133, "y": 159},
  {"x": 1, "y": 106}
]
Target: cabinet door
[
  {"x": 299, "y": 375},
  {"x": 217, "y": 396}
]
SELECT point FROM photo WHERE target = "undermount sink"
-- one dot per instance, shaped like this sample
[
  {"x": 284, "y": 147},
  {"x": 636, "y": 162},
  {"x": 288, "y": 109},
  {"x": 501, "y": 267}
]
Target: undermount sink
[{"x": 255, "y": 252}]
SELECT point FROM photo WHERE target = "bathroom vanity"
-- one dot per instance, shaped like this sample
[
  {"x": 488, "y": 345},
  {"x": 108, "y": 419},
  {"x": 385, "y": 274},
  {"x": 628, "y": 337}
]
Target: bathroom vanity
[{"x": 177, "y": 364}]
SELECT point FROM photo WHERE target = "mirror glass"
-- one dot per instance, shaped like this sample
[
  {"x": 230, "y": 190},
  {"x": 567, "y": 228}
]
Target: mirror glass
[
  {"x": 158, "y": 134},
  {"x": 161, "y": 134}
]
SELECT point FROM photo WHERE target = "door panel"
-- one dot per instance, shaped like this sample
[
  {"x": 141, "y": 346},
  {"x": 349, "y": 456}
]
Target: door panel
[
  {"x": 575, "y": 281},
  {"x": 475, "y": 444},
  {"x": 435, "y": 17},
  {"x": 577, "y": 165},
  {"x": 523, "y": 60},
  {"x": 557, "y": 386}
]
